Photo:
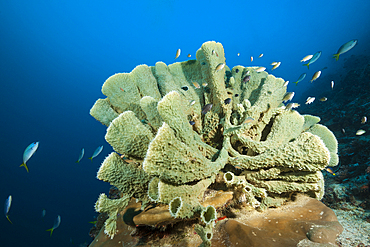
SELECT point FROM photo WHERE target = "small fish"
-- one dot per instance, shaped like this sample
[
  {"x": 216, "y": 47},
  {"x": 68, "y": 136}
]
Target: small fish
[
  {"x": 30, "y": 150},
  {"x": 204, "y": 84},
  {"x": 55, "y": 226},
  {"x": 332, "y": 84},
  {"x": 251, "y": 59},
  {"x": 227, "y": 101},
  {"x": 236, "y": 95},
  {"x": 8, "y": 203},
  {"x": 178, "y": 53},
  {"x": 213, "y": 52},
  {"x": 81, "y": 155},
  {"x": 261, "y": 55},
  {"x": 328, "y": 169},
  {"x": 310, "y": 100},
  {"x": 291, "y": 106},
  {"x": 300, "y": 78},
  {"x": 313, "y": 59},
  {"x": 238, "y": 54},
  {"x": 189, "y": 55},
  {"x": 285, "y": 83},
  {"x": 360, "y": 132},
  {"x": 276, "y": 66},
  {"x": 220, "y": 67},
  {"x": 185, "y": 88},
  {"x": 343, "y": 131},
  {"x": 246, "y": 78},
  {"x": 93, "y": 222},
  {"x": 344, "y": 48},
  {"x": 260, "y": 69},
  {"x": 220, "y": 218},
  {"x": 363, "y": 119},
  {"x": 248, "y": 120},
  {"x": 306, "y": 58},
  {"x": 206, "y": 108},
  {"x": 315, "y": 76},
  {"x": 191, "y": 122},
  {"x": 323, "y": 99},
  {"x": 288, "y": 96},
  {"x": 196, "y": 84},
  {"x": 121, "y": 89},
  {"x": 192, "y": 102},
  {"x": 96, "y": 152},
  {"x": 43, "y": 213}
]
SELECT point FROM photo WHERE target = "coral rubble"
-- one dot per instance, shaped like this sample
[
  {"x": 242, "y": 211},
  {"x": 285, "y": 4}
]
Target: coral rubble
[{"x": 179, "y": 146}]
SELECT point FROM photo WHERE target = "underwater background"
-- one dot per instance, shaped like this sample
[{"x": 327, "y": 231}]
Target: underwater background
[{"x": 56, "y": 55}]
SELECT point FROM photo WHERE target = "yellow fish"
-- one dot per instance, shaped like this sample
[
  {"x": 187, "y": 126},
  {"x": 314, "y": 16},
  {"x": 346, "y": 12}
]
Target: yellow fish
[
  {"x": 189, "y": 55},
  {"x": 306, "y": 58},
  {"x": 260, "y": 69},
  {"x": 220, "y": 67},
  {"x": 323, "y": 99},
  {"x": 196, "y": 84},
  {"x": 316, "y": 75},
  {"x": 178, "y": 53},
  {"x": 238, "y": 54},
  {"x": 276, "y": 66},
  {"x": 251, "y": 59},
  {"x": 363, "y": 119},
  {"x": 330, "y": 171}
]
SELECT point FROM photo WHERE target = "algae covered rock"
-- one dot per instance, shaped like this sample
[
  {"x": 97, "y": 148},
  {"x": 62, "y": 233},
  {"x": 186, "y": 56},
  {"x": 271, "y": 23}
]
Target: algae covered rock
[{"x": 196, "y": 126}]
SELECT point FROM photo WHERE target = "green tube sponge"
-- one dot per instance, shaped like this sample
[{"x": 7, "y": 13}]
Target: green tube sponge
[
  {"x": 128, "y": 178},
  {"x": 205, "y": 233},
  {"x": 329, "y": 139},
  {"x": 127, "y": 135},
  {"x": 175, "y": 206},
  {"x": 112, "y": 208},
  {"x": 149, "y": 106},
  {"x": 103, "y": 111},
  {"x": 125, "y": 90},
  {"x": 313, "y": 157},
  {"x": 173, "y": 161},
  {"x": 208, "y": 215}
]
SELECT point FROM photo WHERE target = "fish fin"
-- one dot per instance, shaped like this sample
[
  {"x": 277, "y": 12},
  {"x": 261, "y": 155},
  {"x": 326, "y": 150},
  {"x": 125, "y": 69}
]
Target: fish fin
[
  {"x": 308, "y": 65},
  {"x": 51, "y": 231},
  {"x": 77, "y": 161},
  {"x": 296, "y": 83},
  {"x": 25, "y": 166},
  {"x": 336, "y": 56},
  {"x": 7, "y": 216},
  {"x": 91, "y": 158}
]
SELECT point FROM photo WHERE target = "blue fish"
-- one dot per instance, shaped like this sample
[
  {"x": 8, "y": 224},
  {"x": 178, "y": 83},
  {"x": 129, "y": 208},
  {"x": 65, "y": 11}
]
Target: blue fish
[
  {"x": 30, "y": 150},
  {"x": 55, "y": 226},
  {"x": 344, "y": 48},
  {"x": 81, "y": 155},
  {"x": 301, "y": 77},
  {"x": 8, "y": 203},
  {"x": 313, "y": 59},
  {"x": 96, "y": 152}
]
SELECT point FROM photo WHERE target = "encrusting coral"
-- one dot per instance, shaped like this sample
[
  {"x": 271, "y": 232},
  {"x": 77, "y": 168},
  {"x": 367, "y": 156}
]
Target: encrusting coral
[{"x": 196, "y": 126}]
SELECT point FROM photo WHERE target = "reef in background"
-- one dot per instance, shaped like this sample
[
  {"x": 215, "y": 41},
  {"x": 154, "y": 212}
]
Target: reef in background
[
  {"x": 348, "y": 102},
  {"x": 195, "y": 142}
]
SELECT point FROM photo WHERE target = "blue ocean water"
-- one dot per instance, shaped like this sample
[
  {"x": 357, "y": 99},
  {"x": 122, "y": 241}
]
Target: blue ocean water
[{"x": 56, "y": 55}]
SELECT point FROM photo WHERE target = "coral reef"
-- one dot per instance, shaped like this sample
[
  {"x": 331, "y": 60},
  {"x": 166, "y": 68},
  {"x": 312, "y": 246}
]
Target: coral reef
[{"x": 195, "y": 129}]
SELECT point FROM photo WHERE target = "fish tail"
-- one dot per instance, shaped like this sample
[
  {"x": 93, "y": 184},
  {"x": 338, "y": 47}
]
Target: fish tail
[
  {"x": 296, "y": 83},
  {"x": 77, "y": 161},
  {"x": 7, "y": 216},
  {"x": 25, "y": 166},
  {"x": 308, "y": 65},
  {"x": 91, "y": 158},
  {"x": 50, "y": 230},
  {"x": 336, "y": 56}
]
